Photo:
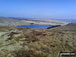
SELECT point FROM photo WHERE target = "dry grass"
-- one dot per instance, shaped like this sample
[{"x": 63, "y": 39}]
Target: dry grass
[{"x": 39, "y": 42}]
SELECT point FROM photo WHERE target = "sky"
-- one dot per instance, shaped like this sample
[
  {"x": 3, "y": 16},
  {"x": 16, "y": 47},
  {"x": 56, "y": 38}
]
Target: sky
[{"x": 53, "y": 9}]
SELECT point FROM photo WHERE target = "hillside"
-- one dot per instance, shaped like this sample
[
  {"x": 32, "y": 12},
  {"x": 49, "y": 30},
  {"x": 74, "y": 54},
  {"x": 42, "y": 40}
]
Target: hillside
[
  {"x": 20, "y": 42},
  {"x": 11, "y": 22},
  {"x": 7, "y": 21}
]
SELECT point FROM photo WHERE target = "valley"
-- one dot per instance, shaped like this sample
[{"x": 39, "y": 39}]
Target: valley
[{"x": 7, "y": 21}]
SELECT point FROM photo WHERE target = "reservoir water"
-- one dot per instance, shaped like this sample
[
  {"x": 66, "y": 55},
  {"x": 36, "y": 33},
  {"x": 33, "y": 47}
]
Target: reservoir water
[{"x": 36, "y": 26}]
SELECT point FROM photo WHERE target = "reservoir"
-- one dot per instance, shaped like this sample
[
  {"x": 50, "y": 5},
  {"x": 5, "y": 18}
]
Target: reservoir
[{"x": 36, "y": 26}]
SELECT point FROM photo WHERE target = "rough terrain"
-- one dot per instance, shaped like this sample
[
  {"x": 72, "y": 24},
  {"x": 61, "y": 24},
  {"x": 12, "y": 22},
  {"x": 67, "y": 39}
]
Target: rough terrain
[{"x": 20, "y": 42}]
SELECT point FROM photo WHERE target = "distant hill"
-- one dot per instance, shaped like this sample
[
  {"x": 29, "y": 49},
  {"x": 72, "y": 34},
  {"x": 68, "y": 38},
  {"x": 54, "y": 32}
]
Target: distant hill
[
  {"x": 9, "y": 21},
  {"x": 67, "y": 20}
]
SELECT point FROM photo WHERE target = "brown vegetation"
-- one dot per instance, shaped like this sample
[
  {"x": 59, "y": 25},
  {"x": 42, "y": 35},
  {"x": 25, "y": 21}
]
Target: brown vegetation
[{"x": 38, "y": 42}]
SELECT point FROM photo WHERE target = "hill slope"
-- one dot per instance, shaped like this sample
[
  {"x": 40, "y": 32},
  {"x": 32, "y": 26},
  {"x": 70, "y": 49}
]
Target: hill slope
[
  {"x": 20, "y": 42},
  {"x": 16, "y": 21}
]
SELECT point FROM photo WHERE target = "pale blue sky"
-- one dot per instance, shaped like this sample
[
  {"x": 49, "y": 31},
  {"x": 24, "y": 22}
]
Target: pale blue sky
[{"x": 55, "y": 9}]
